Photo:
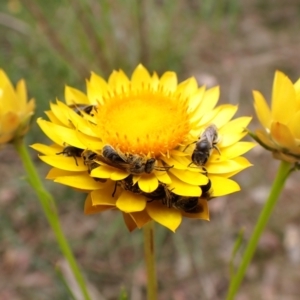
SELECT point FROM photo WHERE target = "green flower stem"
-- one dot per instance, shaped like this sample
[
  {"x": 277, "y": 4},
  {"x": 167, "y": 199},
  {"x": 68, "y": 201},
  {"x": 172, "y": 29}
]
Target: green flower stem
[
  {"x": 49, "y": 207},
  {"x": 150, "y": 260},
  {"x": 283, "y": 173}
]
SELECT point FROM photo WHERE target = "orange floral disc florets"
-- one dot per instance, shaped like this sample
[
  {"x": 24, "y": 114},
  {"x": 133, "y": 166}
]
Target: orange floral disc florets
[{"x": 144, "y": 123}]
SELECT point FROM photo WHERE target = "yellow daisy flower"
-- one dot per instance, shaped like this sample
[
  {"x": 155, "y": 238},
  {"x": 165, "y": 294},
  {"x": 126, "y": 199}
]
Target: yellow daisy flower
[
  {"x": 143, "y": 146},
  {"x": 15, "y": 111},
  {"x": 281, "y": 130}
]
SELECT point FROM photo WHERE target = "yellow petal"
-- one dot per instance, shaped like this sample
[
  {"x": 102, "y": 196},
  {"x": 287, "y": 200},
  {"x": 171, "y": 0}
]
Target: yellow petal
[
  {"x": 226, "y": 112},
  {"x": 285, "y": 157},
  {"x": 97, "y": 88},
  {"x": 187, "y": 88},
  {"x": 222, "y": 186},
  {"x": 195, "y": 101},
  {"x": 223, "y": 167},
  {"x": 170, "y": 161},
  {"x": 140, "y": 78},
  {"x": 190, "y": 177},
  {"x": 7, "y": 93},
  {"x": 208, "y": 102},
  {"x": 104, "y": 171},
  {"x": 9, "y": 122},
  {"x": 284, "y": 102},
  {"x": 60, "y": 115},
  {"x": 184, "y": 189},
  {"x": 59, "y": 134},
  {"x": 204, "y": 215},
  {"x": 235, "y": 126},
  {"x": 168, "y": 217},
  {"x": 53, "y": 118},
  {"x": 162, "y": 177},
  {"x": 47, "y": 150},
  {"x": 227, "y": 140},
  {"x": 207, "y": 119},
  {"x": 154, "y": 81},
  {"x": 262, "y": 109},
  {"x": 264, "y": 138},
  {"x": 21, "y": 92},
  {"x": 234, "y": 150},
  {"x": 104, "y": 196},
  {"x": 64, "y": 163},
  {"x": 118, "y": 175},
  {"x": 129, "y": 202},
  {"x": 168, "y": 82},
  {"x": 89, "y": 208},
  {"x": 186, "y": 160},
  {"x": 89, "y": 142},
  {"x": 119, "y": 81},
  {"x": 243, "y": 162},
  {"x": 79, "y": 122},
  {"x": 282, "y": 136},
  {"x": 80, "y": 181},
  {"x": 6, "y": 138},
  {"x": 129, "y": 222},
  {"x": 293, "y": 125},
  {"x": 148, "y": 183},
  {"x": 74, "y": 96},
  {"x": 140, "y": 218},
  {"x": 54, "y": 173},
  {"x": 297, "y": 89}
]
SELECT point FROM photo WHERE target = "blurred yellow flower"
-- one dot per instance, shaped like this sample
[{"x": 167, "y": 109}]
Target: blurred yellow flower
[
  {"x": 130, "y": 144},
  {"x": 15, "y": 111},
  {"x": 281, "y": 123}
]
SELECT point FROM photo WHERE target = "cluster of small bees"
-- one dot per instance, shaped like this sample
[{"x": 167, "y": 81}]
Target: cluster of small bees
[{"x": 136, "y": 164}]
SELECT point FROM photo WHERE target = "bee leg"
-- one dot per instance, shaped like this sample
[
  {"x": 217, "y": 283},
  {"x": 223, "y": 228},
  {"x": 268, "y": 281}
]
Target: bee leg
[
  {"x": 115, "y": 189},
  {"x": 189, "y": 145},
  {"x": 150, "y": 200},
  {"x": 65, "y": 152},
  {"x": 165, "y": 168},
  {"x": 216, "y": 147},
  {"x": 75, "y": 160},
  {"x": 205, "y": 171},
  {"x": 168, "y": 167},
  {"x": 191, "y": 164}
]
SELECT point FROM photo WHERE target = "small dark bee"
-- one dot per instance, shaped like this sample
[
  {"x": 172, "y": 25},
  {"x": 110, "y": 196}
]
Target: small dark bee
[
  {"x": 89, "y": 159},
  {"x": 112, "y": 155},
  {"x": 169, "y": 199},
  {"x": 184, "y": 203},
  {"x": 72, "y": 151},
  {"x": 187, "y": 204},
  {"x": 204, "y": 146},
  {"x": 132, "y": 163},
  {"x": 79, "y": 108},
  {"x": 127, "y": 184}
]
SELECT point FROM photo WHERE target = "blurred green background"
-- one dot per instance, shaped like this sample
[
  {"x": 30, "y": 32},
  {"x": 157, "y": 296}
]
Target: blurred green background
[{"x": 235, "y": 44}]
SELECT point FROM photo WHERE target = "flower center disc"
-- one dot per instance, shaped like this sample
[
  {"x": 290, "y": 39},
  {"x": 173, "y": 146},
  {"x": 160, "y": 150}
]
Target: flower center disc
[{"x": 144, "y": 124}]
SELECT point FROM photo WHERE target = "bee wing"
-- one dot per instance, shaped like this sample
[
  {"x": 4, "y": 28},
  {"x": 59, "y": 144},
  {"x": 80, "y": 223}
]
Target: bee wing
[
  {"x": 119, "y": 165},
  {"x": 125, "y": 157}
]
